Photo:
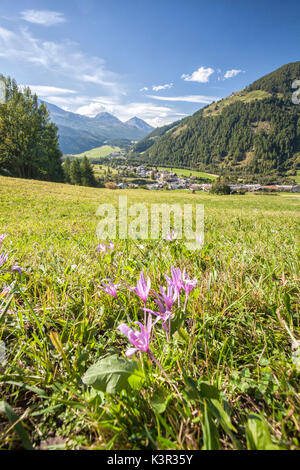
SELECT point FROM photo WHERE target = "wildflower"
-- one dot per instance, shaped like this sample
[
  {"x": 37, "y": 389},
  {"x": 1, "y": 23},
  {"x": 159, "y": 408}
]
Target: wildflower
[
  {"x": 163, "y": 314},
  {"x": 110, "y": 289},
  {"x": 2, "y": 237},
  {"x": 141, "y": 342},
  {"x": 3, "y": 258},
  {"x": 139, "y": 339},
  {"x": 188, "y": 286},
  {"x": 176, "y": 281},
  {"x": 102, "y": 247},
  {"x": 164, "y": 302},
  {"x": 171, "y": 236},
  {"x": 143, "y": 287},
  {"x": 5, "y": 291},
  {"x": 111, "y": 245},
  {"x": 17, "y": 268}
]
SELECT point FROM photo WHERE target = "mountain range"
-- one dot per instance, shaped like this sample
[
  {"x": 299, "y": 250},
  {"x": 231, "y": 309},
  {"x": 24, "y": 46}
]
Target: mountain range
[
  {"x": 255, "y": 131},
  {"x": 78, "y": 133}
]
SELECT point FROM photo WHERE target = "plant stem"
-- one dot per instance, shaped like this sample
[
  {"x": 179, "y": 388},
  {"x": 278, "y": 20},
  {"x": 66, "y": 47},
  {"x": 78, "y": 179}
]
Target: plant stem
[{"x": 165, "y": 374}]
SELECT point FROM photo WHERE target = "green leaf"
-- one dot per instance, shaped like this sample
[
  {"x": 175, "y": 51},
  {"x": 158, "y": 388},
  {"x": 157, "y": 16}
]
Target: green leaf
[
  {"x": 19, "y": 428},
  {"x": 208, "y": 391},
  {"x": 211, "y": 440},
  {"x": 159, "y": 402},
  {"x": 220, "y": 414},
  {"x": 113, "y": 374},
  {"x": 258, "y": 435},
  {"x": 203, "y": 390}
]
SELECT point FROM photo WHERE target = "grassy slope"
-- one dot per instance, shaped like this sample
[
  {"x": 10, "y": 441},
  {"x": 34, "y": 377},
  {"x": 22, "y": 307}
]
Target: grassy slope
[
  {"x": 231, "y": 338},
  {"x": 98, "y": 152},
  {"x": 185, "y": 172},
  {"x": 245, "y": 97}
]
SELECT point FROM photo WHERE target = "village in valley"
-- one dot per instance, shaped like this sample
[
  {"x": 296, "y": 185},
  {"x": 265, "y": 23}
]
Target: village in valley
[{"x": 156, "y": 179}]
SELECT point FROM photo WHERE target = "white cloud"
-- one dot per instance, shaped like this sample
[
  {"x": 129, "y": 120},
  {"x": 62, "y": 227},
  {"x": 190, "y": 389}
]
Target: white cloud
[
  {"x": 162, "y": 87},
  {"x": 44, "y": 91},
  {"x": 62, "y": 58},
  {"x": 201, "y": 75},
  {"x": 5, "y": 35},
  {"x": 43, "y": 17},
  {"x": 144, "y": 89},
  {"x": 232, "y": 73},
  {"x": 188, "y": 98}
]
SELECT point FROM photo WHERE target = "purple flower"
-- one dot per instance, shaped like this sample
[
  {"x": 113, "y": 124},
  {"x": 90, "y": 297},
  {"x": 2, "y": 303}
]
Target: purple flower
[
  {"x": 168, "y": 298},
  {"x": 5, "y": 291},
  {"x": 188, "y": 284},
  {"x": 164, "y": 302},
  {"x": 17, "y": 268},
  {"x": 143, "y": 287},
  {"x": 176, "y": 281},
  {"x": 103, "y": 248},
  {"x": 171, "y": 236},
  {"x": 3, "y": 258},
  {"x": 110, "y": 289},
  {"x": 111, "y": 246},
  {"x": 139, "y": 339},
  {"x": 2, "y": 237}
]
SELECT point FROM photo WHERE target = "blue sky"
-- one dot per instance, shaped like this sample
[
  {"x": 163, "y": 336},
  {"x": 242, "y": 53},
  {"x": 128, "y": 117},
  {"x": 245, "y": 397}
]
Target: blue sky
[{"x": 158, "y": 60}]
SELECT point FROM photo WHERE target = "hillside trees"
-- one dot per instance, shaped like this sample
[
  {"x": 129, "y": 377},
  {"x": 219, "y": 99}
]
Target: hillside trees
[
  {"x": 254, "y": 132},
  {"x": 28, "y": 140},
  {"x": 75, "y": 172},
  {"x": 79, "y": 173},
  {"x": 87, "y": 173}
]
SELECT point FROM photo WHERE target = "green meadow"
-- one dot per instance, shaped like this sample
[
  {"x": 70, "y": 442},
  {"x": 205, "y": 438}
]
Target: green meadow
[
  {"x": 98, "y": 152},
  {"x": 232, "y": 361},
  {"x": 186, "y": 172}
]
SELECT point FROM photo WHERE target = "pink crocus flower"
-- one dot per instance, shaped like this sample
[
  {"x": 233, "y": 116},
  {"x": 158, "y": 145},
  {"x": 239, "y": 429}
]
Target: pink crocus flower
[
  {"x": 141, "y": 342},
  {"x": 143, "y": 287},
  {"x": 110, "y": 289},
  {"x": 176, "y": 281},
  {"x": 171, "y": 236},
  {"x": 188, "y": 286},
  {"x": 168, "y": 298},
  {"x": 139, "y": 339},
  {"x": 2, "y": 237},
  {"x": 164, "y": 314},
  {"x": 164, "y": 302},
  {"x": 102, "y": 247}
]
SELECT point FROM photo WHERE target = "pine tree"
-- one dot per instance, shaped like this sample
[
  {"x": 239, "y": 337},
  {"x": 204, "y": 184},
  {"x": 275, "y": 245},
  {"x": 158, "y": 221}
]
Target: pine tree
[
  {"x": 66, "y": 168},
  {"x": 75, "y": 172},
  {"x": 28, "y": 140},
  {"x": 87, "y": 173}
]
